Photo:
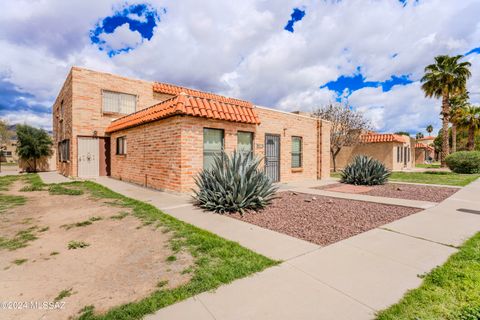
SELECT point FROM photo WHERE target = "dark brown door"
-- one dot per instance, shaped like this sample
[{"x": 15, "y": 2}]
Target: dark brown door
[{"x": 104, "y": 165}]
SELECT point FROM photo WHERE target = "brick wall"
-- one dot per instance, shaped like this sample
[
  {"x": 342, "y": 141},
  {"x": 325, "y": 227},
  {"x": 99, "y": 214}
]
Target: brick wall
[
  {"x": 315, "y": 139},
  {"x": 192, "y": 144},
  {"x": 153, "y": 155},
  {"x": 167, "y": 154},
  {"x": 62, "y": 123},
  {"x": 82, "y": 95}
]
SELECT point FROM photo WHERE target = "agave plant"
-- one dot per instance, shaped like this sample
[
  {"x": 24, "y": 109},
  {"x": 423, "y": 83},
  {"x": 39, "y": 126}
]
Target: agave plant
[
  {"x": 234, "y": 184},
  {"x": 364, "y": 170}
]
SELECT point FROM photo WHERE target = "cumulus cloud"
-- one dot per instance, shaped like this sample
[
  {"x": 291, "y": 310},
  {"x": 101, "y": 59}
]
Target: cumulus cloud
[
  {"x": 121, "y": 39},
  {"x": 242, "y": 49}
]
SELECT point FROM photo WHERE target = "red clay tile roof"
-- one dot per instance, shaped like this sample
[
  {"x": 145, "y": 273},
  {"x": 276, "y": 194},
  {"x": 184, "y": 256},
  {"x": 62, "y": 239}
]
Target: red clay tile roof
[
  {"x": 192, "y": 105},
  {"x": 176, "y": 90},
  {"x": 423, "y": 145},
  {"x": 382, "y": 137},
  {"x": 427, "y": 138}
]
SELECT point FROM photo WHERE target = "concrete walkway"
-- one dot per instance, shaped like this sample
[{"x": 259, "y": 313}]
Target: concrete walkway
[
  {"x": 351, "y": 279},
  {"x": 272, "y": 244},
  {"x": 53, "y": 177}
]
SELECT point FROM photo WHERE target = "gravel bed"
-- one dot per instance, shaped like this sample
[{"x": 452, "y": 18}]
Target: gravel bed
[
  {"x": 405, "y": 191},
  {"x": 323, "y": 220}
]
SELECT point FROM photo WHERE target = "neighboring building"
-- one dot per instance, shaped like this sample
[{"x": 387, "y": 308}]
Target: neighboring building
[
  {"x": 428, "y": 140},
  {"x": 393, "y": 150},
  {"x": 8, "y": 153},
  {"x": 160, "y": 135},
  {"x": 424, "y": 153},
  {"x": 430, "y": 152}
]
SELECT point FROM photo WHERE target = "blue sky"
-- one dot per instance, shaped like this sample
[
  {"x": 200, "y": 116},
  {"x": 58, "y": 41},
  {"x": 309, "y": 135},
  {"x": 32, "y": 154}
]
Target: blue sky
[{"x": 288, "y": 55}]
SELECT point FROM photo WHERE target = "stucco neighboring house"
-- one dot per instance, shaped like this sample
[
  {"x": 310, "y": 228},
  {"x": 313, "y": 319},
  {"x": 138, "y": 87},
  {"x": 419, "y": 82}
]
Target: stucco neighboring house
[
  {"x": 394, "y": 150},
  {"x": 428, "y": 141},
  {"x": 424, "y": 153},
  {"x": 161, "y": 135},
  {"x": 8, "y": 153}
]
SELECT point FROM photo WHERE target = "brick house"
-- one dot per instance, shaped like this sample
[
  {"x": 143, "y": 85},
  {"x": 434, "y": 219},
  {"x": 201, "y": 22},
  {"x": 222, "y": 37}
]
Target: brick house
[
  {"x": 161, "y": 135},
  {"x": 395, "y": 151}
]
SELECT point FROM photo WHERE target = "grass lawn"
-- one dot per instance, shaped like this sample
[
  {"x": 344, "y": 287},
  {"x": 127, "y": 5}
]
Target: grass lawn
[
  {"x": 216, "y": 261},
  {"x": 450, "y": 291},
  {"x": 335, "y": 174},
  {"x": 428, "y": 165},
  {"x": 431, "y": 177}
]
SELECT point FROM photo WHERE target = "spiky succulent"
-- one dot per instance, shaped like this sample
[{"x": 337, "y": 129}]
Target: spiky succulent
[
  {"x": 234, "y": 184},
  {"x": 364, "y": 170}
]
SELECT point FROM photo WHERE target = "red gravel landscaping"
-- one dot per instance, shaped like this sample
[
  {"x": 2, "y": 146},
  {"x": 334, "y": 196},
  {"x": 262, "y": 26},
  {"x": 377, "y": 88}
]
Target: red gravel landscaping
[
  {"x": 323, "y": 220},
  {"x": 397, "y": 190}
]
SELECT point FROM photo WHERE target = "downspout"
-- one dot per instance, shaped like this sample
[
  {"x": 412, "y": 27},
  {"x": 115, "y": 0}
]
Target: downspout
[
  {"x": 319, "y": 126},
  {"x": 144, "y": 155}
]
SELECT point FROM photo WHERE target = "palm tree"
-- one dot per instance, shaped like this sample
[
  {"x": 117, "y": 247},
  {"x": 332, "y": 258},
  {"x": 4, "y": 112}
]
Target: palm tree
[
  {"x": 429, "y": 129},
  {"x": 457, "y": 102},
  {"x": 33, "y": 144},
  {"x": 443, "y": 79},
  {"x": 419, "y": 135},
  {"x": 469, "y": 117}
]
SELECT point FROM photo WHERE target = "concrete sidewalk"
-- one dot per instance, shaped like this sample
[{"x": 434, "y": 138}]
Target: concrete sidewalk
[
  {"x": 351, "y": 279},
  {"x": 53, "y": 177}
]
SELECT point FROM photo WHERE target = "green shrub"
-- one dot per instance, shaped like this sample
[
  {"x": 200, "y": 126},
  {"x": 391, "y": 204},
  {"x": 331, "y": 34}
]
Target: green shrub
[
  {"x": 464, "y": 162},
  {"x": 234, "y": 184},
  {"x": 364, "y": 170},
  {"x": 469, "y": 313}
]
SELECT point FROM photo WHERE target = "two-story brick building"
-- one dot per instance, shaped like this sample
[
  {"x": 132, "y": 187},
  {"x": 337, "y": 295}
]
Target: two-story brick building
[{"x": 161, "y": 135}]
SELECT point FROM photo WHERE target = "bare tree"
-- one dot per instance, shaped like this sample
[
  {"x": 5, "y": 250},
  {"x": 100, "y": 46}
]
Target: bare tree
[
  {"x": 347, "y": 126},
  {"x": 5, "y": 136}
]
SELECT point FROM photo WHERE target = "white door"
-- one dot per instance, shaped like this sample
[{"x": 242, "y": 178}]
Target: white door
[{"x": 88, "y": 157}]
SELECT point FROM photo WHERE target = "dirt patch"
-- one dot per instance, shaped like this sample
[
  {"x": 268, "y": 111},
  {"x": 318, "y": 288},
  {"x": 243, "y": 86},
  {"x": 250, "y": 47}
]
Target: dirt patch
[
  {"x": 323, "y": 220},
  {"x": 123, "y": 262},
  {"x": 396, "y": 190}
]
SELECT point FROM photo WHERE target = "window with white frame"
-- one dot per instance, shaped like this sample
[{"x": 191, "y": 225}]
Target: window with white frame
[
  {"x": 116, "y": 102},
  {"x": 212, "y": 145},
  {"x": 122, "y": 145},
  {"x": 245, "y": 142},
  {"x": 296, "y": 152}
]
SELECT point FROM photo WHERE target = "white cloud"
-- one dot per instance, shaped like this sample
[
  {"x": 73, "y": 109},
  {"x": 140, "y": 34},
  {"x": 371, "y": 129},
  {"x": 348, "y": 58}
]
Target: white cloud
[
  {"x": 41, "y": 120},
  {"x": 122, "y": 37},
  {"x": 240, "y": 49},
  {"x": 403, "y": 108}
]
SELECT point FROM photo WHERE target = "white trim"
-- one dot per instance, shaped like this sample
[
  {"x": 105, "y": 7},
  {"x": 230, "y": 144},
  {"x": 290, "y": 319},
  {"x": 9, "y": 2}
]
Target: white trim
[{"x": 289, "y": 113}]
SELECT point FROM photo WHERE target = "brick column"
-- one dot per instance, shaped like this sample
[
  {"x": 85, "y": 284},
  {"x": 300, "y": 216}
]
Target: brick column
[{"x": 323, "y": 149}]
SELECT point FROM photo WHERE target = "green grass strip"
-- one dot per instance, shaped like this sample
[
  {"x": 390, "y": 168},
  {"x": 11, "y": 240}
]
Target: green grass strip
[
  {"x": 450, "y": 291},
  {"x": 429, "y": 177},
  {"x": 435, "y": 177}
]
